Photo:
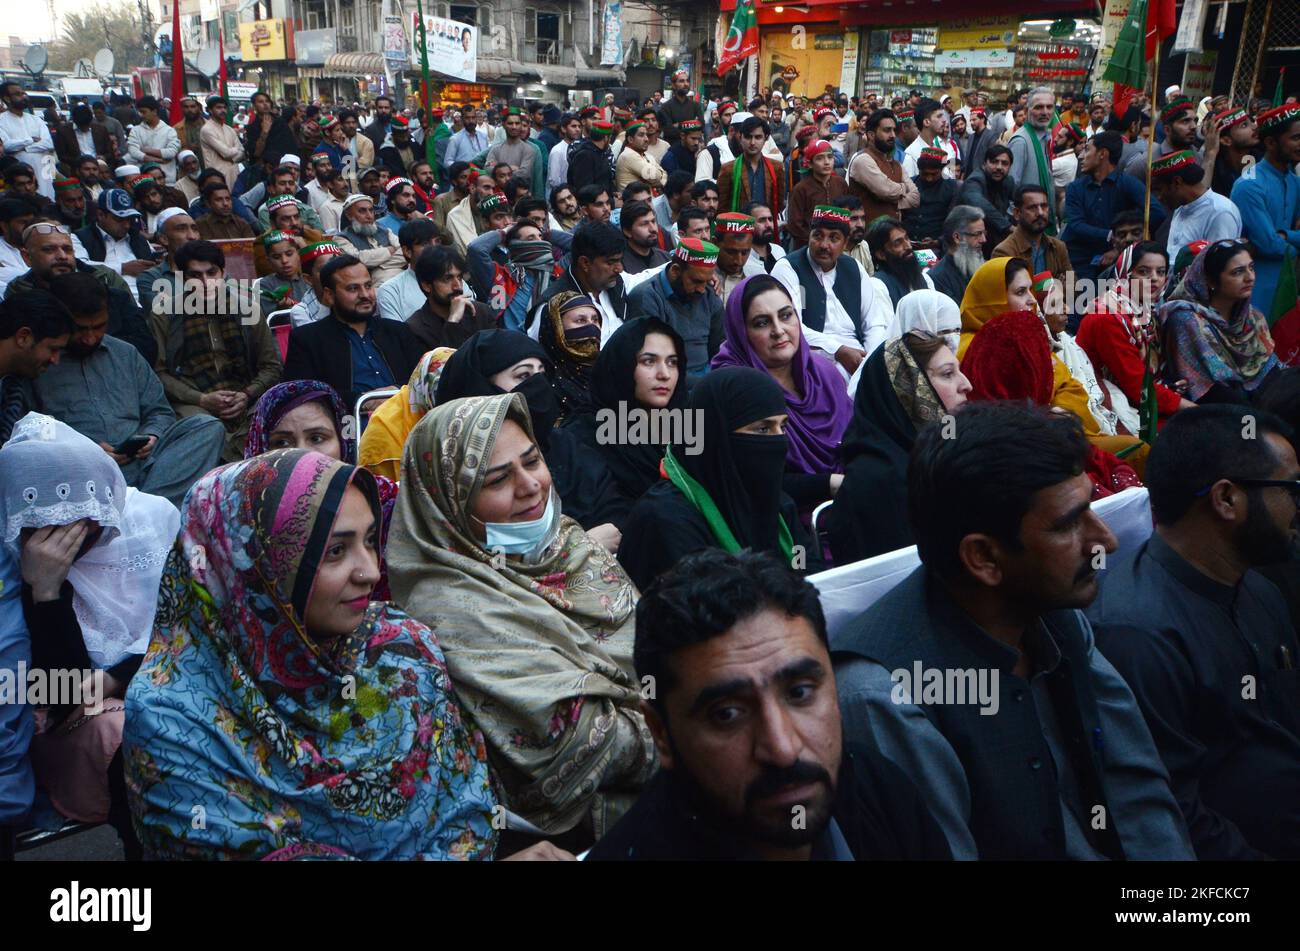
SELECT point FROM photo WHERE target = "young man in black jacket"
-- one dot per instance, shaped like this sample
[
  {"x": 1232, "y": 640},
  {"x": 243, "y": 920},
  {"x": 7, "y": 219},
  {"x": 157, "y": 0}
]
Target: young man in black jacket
[
  {"x": 590, "y": 162},
  {"x": 353, "y": 349},
  {"x": 740, "y": 699}
]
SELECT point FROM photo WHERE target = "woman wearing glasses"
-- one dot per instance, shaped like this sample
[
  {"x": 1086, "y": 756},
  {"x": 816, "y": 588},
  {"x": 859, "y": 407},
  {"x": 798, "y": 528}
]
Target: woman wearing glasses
[{"x": 1212, "y": 337}]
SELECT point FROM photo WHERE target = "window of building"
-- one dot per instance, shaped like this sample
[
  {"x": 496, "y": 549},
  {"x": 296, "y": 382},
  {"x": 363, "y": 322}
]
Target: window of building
[{"x": 542, "y": 35}]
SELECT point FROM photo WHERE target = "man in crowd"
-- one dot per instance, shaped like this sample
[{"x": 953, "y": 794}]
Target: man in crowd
[
  {"x": 87, "y": 171},
  {"x": 114, "y": 127},
  {"x": 175, "y": 228},
  {"x": 1030, "y": 144},
  {"x": 641, "y": 231},
  {"x": 694, "y": 222},
  {"x": 1269, "y": 202},
  {"x": 81, "y": 136},
  {"x": 221, "y": 223},
  {"x": 744, "y": 633},
  {"x": 845, "y": 312},
  {"x": 680, "y": 107},
  {"x": 857, "y": 248},
  {"x": 734, "y": 235},
  {"x": 821, "y": 186},
  {"x": 355, "y": 143},
  {"x": 760, "y": 178},
  {"x": 683, "y": 155},
  {"x": 595, "y": 269},
  {"x": 34, "y": 332},
  {"x": 1094, "y": 199},
  {"x": 70, "y": 203},
  {"x": 447, "y": 316},
  {"x": 284, "y": 182},
  {"x": 876, "y": 177},
  {"x": 517, "y": 150},
  {"x": 465, "y": 222},
  {"x": 1204, "y": 640},
  {"x": 1029, "y": 239},
  {"x": 1178, "y": 118},
  {"x": 402, "y": 202},
  {"x": 284, "y": 286},
  {"x": 1199, "y": 214},
  {"x": 401, "y": 154},
  {"x": 374, "y": 244},
  {"x": 117, "y": 239},
  {"x": 104, "y": 389},
  {"x": 402, "y": 296},
  {"x": 189, "y": 130},
  {"x": 964, "y": 234},
  {"x": 932, "y": 124},
  {"x": 594, "y": 203},
  {"x": 896, "y": 263},
  {"x": 187, "y": 176},
  {"x": 317, "y": 195},
  {"x": 470, "y": 142},
  {"x": 725, "y": 147},
  {"x": 937, "y": 195},
  {"x": 331, "y": 210},
  {"x": 222, "y": 149},
  {"x": 352, "y": 349},
  {"x": 705, "y": 195},
  {"x": 26, "y": 138},
  {"x": 458, "y": 176},
  {"x": 999, "y": 506},
  {"x": 1238, "y": 146},
  {"x": 766, "y": 251},
  {"x": 681, "y": 295},
  {"x": 212, "y": 361},
  {"x": 978, "y": 142},
  {"x": 378, "y": 130},
  {"x": 557, "y": 165},
  {"x": 589, "y": 161},
  {"x": 153, "y": 140},
  {"x": 667, "y": 206}
]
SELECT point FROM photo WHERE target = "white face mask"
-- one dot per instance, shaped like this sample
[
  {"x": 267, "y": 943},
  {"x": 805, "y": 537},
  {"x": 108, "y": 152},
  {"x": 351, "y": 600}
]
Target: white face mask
[{"x": 528, "y": 539}]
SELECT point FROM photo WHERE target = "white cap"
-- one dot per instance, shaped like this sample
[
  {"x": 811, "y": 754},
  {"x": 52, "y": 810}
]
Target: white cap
[
  {"x": 291, "y": 159},
  {"x": 185, "y": 153},
  {"x": 1173, "y": 91},
  {"x": 164, "y": 216},
  {"x": 944, "y": 98},
  {"x": 739, "y": 117},
  {"x": 355, "y": 199},
  {"x": 126, "y": 171}
]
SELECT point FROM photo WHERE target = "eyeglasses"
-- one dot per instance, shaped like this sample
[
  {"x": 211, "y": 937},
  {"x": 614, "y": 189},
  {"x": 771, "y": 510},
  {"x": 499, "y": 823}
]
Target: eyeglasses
[
  {"x": 44, "y": 227},
  {"x": 1291, "y": 485}
]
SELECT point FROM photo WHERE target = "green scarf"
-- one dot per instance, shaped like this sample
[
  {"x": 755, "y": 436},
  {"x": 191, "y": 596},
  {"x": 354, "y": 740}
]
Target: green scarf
[
  {"x": 1044, "y": 177},
  {"x": 698, "y": 496}
]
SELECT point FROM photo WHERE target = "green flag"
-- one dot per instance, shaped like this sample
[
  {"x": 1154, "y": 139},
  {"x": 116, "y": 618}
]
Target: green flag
[
  {"x": 430, "y": 152},
  {"x": 742, "y": 38},
  {"x": 1278, "y": 95},
  {"x": 1128, "y": 63}
]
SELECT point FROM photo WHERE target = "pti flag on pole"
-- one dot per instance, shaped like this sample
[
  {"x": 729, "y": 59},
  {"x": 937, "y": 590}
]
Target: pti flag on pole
[
  {"x": 742, "y": 38},
  {"x": 430, "y": 151},
  {"x": 178, "y": 65},
  {"x": 221, "y": 74}
]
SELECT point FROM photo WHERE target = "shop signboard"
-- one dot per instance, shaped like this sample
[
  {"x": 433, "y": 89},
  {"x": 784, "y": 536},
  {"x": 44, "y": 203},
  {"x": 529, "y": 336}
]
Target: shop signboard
[
  {"x": 975, "y": 59},
  {"x": 1198, "y": 74},
  {"x": 979, "y": 33}
]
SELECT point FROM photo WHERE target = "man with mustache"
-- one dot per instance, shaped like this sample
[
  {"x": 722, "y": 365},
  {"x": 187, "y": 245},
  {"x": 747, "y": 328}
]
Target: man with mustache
[
  {"x": 1055, "y": 761},
  {"x": 1205, "y": 639},
  {"x": 765, "y": 250},
  {"x": 896, "y": 264},
  {"x": 1030, "y": 240},
  {"x": 743, "y": 713},
  {"x": 376, "y": 246}
]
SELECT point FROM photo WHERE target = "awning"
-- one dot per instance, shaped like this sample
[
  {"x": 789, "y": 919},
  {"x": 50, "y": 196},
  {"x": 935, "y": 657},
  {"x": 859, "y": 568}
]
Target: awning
[
  {"x": 607, "y": 75},
  {"x": 311, "y": 72},
  {"x": 354, "y": 64}
]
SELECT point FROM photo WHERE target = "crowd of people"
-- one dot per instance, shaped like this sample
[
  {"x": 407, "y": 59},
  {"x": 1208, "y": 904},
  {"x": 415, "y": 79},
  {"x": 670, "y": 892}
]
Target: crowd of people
[{"x": 479, "y": 523}]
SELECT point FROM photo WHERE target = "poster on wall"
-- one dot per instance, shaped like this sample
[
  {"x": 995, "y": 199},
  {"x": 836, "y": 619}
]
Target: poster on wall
[
  {"x": 395, "y": 45},
  {"x": 611, "y": 47},
  {"x": 453, "y": 47},
  {"x": 1198, "y": 74},
  {"x": 849, "y": 71}
]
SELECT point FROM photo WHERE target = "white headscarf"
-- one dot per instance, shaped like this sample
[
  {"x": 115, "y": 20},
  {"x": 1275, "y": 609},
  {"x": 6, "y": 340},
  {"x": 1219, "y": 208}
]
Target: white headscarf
[
  {"x": 50, "y": 474},
  {"x": 932, "y": 311}
]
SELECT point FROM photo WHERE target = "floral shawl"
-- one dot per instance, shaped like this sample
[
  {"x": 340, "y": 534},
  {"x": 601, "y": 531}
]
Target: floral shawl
[
  {"x": 247, "y": 739},
  {"x": 541, "y": 653},
  {"x": 1203, "y": 347}
]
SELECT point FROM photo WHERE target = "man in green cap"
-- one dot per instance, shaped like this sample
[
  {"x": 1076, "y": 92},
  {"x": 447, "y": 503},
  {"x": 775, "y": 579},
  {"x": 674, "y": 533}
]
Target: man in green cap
[{"x": 681, "y": 295}]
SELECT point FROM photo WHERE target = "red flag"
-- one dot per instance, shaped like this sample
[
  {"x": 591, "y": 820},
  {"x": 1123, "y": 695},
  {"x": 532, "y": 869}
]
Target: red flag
[
  {"x": 221, "y": 75},
  {"x": 178, "y": 65},
  {"x": 1162, "y": 21},
  {"x": 1124, "y": 96}
]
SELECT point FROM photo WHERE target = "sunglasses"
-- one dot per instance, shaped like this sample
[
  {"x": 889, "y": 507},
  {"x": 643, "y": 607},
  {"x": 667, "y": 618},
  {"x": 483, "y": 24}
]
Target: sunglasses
[{"x": 44, "y": 227}]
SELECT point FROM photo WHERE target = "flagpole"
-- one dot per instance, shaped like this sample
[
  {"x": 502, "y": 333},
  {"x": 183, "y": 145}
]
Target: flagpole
[
  {"x": 1151, "y": 143},
  {"x": 430, "y": 149}
]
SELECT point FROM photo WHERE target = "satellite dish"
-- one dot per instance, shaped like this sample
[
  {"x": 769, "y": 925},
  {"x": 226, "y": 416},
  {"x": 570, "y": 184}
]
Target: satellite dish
[
  {"x": 208, "y": 61},
  {"x": 104, "y": 62},
  {"x": 35, "y": 58}
]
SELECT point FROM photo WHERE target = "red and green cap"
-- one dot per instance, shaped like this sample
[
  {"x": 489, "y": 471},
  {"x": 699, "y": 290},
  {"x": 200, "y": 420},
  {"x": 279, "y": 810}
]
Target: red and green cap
[
  {"x": 493, "y": 203},
  {"x": 400, "y": 122},
  {"x": 733, "y": 222},
  {"x": 822, "y": 113},
  {"x": 931, "y": 154},
  {"x": 1230, "y": 117},
  {"x": 514, "y": 111},
  {"x": 320, "y": 249},
  {"x": 814, "y": 148},
  {"x": 831, "y": 216},
  {"x": 904, "y": 115},
  {"x": 696, "y": 253},
  {"x": 1168, "y": 164},
  {"x": 321, "y": 157},
  {"x": 633, "y": 126},
  {"x": 690, "y": 125},
  {"x": 327, "y": 122},
  {"x": 599, "y": 127},
  {"x": 396, "y": 183},
  {"x": 1174, "y": 106},
  {"x": 1279, "y": 117},
  {"x": 1042, "y": 283},
  {"x": 279, "y": 201},
  {"x": 66, "y": 184},
  {"x": 275, "y": 237},
  {"x": 805, "y": 135},
  {"x": 622, "y": 115}
]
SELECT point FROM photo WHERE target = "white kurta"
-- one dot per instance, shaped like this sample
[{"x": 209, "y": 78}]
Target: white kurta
[{"x": 27, "y": 138}]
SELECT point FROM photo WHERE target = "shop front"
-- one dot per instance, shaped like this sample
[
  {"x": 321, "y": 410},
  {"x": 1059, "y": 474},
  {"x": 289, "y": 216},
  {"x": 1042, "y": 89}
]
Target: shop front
[{"x": 267, "y": 53}]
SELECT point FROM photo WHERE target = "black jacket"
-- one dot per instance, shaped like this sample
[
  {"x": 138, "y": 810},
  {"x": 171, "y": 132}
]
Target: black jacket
[
  {"x": 878, "y": 810},
  {"x": 126, "y": 321},
  {"x": 321, "y": 351},
  {"x": 589, "y": 165},
  {"x": 279, "y": 142},
  {"x": 567, "y": 282},
  {"x": 376, "y": 132},
  {"x": 948, "y": 280},
  {"x": 995, "y": 202},
  {"x": 93, "y": 242}
]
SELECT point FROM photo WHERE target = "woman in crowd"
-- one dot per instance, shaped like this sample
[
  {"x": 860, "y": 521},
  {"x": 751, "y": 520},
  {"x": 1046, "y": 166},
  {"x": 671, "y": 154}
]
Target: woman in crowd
[
  {"x": 536, "y": 618},
  {"x": 1211, "y": 335},
  {"x": 931, "y": 312},
  {"x": 1011, "y": 359},
  {"x": 71, "y": 523},
  {"x": 493, "y": 362},
  {"x": 763, "y": 333},
  {"x": 308, "y": 414},
  {"x": 1120, "y": 336},
  {"x": 570, "y": 335},
  {"x": 304, "y": 719},
  {"x": 640, "y": 369},
  {"x": 381, "y": 444},
  {"x": 1049, "y": 294},
  {"x": 728, "y": 494},
  {"x": 907, "y": 384}
]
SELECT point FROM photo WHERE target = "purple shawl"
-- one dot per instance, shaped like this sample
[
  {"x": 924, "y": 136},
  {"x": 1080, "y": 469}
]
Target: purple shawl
[{"x": 819, "y": 417}]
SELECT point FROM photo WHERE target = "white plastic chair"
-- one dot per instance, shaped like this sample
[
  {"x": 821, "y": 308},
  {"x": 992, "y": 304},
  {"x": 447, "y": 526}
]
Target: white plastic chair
[{"x": 364, "y": 410}]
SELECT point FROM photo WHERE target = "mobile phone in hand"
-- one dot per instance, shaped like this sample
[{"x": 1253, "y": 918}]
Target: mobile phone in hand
[{"x": 131, "y": 446}]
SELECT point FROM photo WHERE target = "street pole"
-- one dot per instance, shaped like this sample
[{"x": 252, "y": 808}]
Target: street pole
[{"x": 1151, "y": 144}]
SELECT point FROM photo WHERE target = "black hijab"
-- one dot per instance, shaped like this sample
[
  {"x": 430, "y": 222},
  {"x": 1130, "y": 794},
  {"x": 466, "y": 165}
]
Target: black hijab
[
  {"x": 741, "y": 472},
  {"x": 470, "y": 369},
  {"x": 572, "y": 376},
  {"x": 635, "y": 467}
]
